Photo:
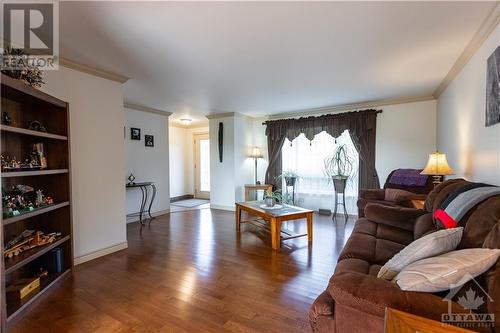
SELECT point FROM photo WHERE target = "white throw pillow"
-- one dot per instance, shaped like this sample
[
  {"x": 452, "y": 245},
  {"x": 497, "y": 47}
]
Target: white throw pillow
[
  {"x": 446, "y": 271},
  {"x": 431, "y": 245}
]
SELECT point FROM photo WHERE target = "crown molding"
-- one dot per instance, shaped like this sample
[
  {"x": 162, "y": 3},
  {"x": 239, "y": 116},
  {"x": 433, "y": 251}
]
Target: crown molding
[
  {"x": 92, "y": 71},
  {"x": 349, "y": 107},
  {"x": 221, "y": 115},
  {"x": 143, "y": 108},
  {"x": 229, "y": 114},
  {"x": 480, "y": 36}
]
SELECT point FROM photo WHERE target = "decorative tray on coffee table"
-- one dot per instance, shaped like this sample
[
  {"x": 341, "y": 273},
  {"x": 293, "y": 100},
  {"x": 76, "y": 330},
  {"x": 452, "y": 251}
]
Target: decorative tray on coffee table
[{"x": 271, "y": 208}]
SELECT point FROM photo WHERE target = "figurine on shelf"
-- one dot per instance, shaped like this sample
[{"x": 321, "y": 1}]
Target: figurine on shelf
[
  {"x": 6, "y": 119},
  {"x": 35, "y": 125},
  {"x": 131, "y": 179},
  {"x": 22, "y": 199},
  {"x": 9, "y": 164},
  {"x": 36, "y": 160},
  {"x": 38, "y": 156},
  {"x": 39, "y": 198},
  {"x": 27, "y": 240}
]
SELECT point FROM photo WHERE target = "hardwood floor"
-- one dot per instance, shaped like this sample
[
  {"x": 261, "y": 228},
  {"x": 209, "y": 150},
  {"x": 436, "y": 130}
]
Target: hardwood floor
[{"x": 191, "y": 272}]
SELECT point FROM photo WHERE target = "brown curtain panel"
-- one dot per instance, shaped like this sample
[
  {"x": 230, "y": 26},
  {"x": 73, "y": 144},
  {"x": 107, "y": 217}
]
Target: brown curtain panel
[{"x": 362, "y": 128}]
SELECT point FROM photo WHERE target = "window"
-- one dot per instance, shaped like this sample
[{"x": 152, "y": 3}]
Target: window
[{"x": 314, "y": 190}]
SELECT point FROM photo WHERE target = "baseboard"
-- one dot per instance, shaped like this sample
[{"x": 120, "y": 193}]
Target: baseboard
[
  {"x": 132, "y": 219},
  {"x": 220, "y": 207},
  {"x": 99, "y": 253},
  {"x": 182, "y": 197}
]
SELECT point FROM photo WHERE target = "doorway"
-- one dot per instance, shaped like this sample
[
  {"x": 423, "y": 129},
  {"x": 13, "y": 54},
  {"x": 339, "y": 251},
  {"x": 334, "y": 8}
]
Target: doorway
[{"x": 202, "y": 166}]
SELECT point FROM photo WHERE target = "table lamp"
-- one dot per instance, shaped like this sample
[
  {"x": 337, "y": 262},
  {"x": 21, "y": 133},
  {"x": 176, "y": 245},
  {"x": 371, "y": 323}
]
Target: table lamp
[
  {"x": 437, "y": 167},
  {"x": 256, "y": 154}
]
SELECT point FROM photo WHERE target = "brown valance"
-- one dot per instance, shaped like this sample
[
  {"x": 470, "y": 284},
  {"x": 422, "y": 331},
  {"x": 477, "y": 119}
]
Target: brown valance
[{"x": 362, "y": 128}]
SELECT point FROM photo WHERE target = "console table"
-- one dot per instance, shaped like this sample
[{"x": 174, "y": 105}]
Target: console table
[
  {"x": 255, "y": 187},
  {"x": 145, "y": 188}
]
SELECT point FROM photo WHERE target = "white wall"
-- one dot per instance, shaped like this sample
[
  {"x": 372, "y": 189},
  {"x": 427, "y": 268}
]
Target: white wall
[
  {"x": 147, "y": 163},
  {"x": 473, "y": 150},
  {"x": 181, "y": 142},
  {"x": 406, "y": 135},
  {"x": 244, "y": 166},
  {"x": 222, "y": 175},
  {"x": 97, "y": 159}
]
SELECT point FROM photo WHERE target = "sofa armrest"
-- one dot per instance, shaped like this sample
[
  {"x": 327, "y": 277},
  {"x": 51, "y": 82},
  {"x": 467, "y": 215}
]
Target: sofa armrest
[
  {"x": 372, "y": 194},
  {"x": 371, "y": 295},
  {"x": 399, "y": 217}
]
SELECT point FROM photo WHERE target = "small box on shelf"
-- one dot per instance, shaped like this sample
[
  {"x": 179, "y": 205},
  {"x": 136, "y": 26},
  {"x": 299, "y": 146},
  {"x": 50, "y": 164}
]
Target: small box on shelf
[{"x": 22, "y": 288}]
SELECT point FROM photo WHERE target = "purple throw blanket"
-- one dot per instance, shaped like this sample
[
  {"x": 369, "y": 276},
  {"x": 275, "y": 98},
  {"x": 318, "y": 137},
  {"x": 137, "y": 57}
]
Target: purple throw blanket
[{"x": 408, "y": 177}]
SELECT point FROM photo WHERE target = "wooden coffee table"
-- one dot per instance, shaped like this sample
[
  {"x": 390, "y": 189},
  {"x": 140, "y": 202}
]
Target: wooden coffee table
[{"x": 275, "y": 218}]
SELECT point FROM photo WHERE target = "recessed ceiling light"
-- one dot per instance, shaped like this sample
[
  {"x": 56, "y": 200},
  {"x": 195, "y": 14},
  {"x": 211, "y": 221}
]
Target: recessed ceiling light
[{"x": 185, "y": 121}]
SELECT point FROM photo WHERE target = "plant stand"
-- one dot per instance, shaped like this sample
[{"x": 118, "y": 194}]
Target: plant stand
[
  {"x": 290, "y": 182},
  {"x": 339, "y": 185},
  {"x": 293, "y": 192}
]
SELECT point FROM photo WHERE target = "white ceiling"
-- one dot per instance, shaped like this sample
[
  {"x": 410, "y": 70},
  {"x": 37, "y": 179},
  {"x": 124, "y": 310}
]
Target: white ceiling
[{"x": 262, "y": 58}]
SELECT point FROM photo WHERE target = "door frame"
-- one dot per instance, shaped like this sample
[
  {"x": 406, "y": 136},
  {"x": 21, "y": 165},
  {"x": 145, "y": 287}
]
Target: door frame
[{"x": 196, "y": 138}]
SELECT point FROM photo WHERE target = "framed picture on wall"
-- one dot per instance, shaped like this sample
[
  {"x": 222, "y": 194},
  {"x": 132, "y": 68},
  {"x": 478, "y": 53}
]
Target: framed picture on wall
[
  {"x": 149, "y": 141},
  {"x": 135, "y": 133},
  {"x": 493, "y": 89}
]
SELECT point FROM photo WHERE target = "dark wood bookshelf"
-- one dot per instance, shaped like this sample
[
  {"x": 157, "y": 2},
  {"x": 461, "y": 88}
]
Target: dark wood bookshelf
[{"x": 24, "y": 105}]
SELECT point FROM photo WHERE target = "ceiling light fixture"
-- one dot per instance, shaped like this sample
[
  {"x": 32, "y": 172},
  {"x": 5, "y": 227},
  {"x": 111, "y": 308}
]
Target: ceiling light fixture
[{"x": 185, "y": 121}]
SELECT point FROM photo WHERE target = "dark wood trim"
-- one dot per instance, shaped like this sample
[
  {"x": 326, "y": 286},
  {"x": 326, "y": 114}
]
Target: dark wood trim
[{"x": 182, "y": 197}]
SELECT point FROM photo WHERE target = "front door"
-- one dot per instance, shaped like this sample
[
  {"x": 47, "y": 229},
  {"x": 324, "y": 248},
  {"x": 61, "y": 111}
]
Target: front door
[{"x": 202, "y": 166}]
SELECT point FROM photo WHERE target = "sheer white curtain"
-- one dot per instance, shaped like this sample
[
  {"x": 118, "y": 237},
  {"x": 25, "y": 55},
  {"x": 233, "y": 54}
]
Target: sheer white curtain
[{"x": 313, "y": 189}]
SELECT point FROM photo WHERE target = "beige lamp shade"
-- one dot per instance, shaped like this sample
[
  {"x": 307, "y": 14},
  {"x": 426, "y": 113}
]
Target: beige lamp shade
[
  {"x": 437, "y": 165},
  {"x": 256, "y": 153}
]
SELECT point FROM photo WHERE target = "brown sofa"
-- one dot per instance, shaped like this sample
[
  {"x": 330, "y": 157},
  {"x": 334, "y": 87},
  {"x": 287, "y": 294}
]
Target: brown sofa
[
  {"x": 355, "y": 299},
  {"x": 379, "y": 196}
]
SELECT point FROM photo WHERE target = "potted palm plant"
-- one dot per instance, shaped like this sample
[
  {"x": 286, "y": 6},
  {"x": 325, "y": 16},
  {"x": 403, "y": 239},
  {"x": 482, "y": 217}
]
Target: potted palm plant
[{"x": 339, "y": 167}]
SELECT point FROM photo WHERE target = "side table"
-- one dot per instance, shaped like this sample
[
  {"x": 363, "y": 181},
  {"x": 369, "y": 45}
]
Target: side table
[{"x": 145, "y": 188}]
